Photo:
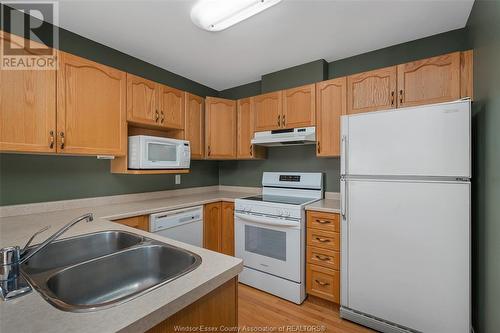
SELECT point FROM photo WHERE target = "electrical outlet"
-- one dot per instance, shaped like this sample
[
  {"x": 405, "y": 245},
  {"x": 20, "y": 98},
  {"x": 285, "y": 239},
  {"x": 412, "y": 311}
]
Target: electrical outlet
[{"x": 177, "y": 179}]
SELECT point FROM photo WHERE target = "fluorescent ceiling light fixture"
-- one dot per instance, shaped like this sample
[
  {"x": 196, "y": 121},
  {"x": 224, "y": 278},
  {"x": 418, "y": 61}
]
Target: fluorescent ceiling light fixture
[{"x": 217, "y": 15}]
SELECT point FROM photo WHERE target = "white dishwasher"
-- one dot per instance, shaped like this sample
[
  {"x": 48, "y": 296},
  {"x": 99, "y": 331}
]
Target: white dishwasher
[{"x": 184, "y": 225}]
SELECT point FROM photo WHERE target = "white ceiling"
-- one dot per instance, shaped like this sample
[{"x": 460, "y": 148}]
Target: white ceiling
[{"x": 291, "y": 33}]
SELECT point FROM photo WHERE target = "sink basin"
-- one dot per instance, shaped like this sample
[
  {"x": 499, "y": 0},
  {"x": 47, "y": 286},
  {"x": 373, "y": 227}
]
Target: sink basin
[
  {"x": 104, "y": 269},
  {"x": 77, "y": 249}
]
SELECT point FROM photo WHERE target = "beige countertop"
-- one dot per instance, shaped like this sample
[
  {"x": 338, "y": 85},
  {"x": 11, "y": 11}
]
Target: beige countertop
[
  {"x": 31, "y": 313},
  {"x": 325, "y": 205}
]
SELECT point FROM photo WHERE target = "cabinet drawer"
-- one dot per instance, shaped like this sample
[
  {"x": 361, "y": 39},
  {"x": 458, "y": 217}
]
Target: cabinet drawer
[
  {"x": 323, "y": 239},
  {"x": 324, "y": 221},
  {"x": 322, "y": 257},
  {"x": 323, "y": 282}
]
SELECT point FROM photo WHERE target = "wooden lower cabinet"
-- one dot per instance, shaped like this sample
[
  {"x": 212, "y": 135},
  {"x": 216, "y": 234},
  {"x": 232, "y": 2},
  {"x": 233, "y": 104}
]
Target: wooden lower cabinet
[
  {"x": 218, "y": 310},
  {"x": 212, "y": 213},
  {"x": 139, "y": 222},
  {"x": 218, "y": 227},
  {"x": 227, "y": 229},
  {"x": 323, "y": 255}
]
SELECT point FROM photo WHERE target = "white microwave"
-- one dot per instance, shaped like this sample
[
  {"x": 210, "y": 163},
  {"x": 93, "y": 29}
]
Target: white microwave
[{"x": 152, "y": 152}]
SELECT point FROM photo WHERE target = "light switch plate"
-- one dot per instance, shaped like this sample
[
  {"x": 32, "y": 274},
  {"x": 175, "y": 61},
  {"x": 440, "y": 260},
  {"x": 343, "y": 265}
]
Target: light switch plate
[{"x": 177, "y": 179}]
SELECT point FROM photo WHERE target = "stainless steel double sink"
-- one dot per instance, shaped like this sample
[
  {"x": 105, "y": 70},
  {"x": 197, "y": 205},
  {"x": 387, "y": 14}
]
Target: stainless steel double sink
[{"x": 103, "y": 269}]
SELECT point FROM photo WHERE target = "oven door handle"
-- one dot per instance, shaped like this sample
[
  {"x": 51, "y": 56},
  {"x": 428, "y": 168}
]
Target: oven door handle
[{"x": 266, "y": 220}]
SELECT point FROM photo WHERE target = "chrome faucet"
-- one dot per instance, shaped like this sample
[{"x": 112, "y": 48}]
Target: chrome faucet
[{"x": 12, "y": 284}]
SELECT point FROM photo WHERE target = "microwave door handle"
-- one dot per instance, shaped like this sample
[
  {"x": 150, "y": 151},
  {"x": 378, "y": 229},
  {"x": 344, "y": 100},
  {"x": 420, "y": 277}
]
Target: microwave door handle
[{"x": 265, "y": 220}]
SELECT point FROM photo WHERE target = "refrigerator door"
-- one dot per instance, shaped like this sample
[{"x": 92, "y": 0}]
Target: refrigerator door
[
  {"x": 423, "y": 141},
  {"x": 407, "y": 259}
]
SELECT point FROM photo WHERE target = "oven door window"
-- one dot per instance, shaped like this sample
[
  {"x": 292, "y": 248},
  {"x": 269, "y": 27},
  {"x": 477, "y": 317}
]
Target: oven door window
[
  {"x": 265, "y": 242},
  {"x": 160, "y": 152}
]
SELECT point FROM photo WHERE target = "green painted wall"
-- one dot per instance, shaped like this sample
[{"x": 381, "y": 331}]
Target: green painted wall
[
  {"x": 38, "y": 178},
  {"x": 484, "y": 29},
  {"x": 290, "y": 158},
  {"x": 245, "y": 90},
  {"x": 296, "y": 76}
]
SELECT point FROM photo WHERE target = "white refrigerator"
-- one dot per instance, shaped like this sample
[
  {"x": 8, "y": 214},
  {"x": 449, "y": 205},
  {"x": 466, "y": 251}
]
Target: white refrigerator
[{"x": 405, "y": 206}]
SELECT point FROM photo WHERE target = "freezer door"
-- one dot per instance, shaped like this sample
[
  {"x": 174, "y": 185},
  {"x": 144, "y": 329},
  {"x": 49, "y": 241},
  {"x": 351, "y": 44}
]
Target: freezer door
[
  {"x": 429, "y": 140},
  {"x": 408, "y": 253}
]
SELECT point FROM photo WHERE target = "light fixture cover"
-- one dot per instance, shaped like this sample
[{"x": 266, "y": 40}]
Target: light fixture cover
[{"x": 217, "y": 15}]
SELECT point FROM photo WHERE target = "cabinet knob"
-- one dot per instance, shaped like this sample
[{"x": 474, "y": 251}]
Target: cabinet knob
[
  {"x": 209, "y": 150},
  {"x": 392, "y": 98},
  {"x": 251, "y": 150},
  {"x": 62, "y": 139},
  {"x": 401, "y": 96},
  {"x": 319, "y": 147}
]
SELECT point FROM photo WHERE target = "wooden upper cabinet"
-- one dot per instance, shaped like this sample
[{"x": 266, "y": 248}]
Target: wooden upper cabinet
[
  {"x": 371, "y": 91},
  {"x": 212, "y": 214},
  {"x": 268, "y": 111},
  {"x": 220, "y": 115},
  {"x": 299, "y": 106},
  {"x": 27, "y": 106},
  {"x": 245, "y": 127},
  {"x": 467, "y": 74},
  {"x": 195, "y": 125},
  {"x": 227, "y": 228},
  {"x": 91, "y": 112},
  {"x": 245, "y": 131},
  {"x": 142, "y": 101},
  {"x": 171, "y": 107},
  {"x": 428, "y": 81},
  {"x": 331, "y": 100}
]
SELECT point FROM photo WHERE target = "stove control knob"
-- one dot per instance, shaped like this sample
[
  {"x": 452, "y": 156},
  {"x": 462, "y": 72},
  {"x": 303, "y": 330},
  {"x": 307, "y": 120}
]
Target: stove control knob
[
  {"x": 279, "y": 212},
  {"x": 286, "y": 213}
]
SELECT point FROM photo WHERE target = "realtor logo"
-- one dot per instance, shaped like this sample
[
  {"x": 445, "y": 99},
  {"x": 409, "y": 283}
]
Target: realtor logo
[{"x": 34, "y": 40}]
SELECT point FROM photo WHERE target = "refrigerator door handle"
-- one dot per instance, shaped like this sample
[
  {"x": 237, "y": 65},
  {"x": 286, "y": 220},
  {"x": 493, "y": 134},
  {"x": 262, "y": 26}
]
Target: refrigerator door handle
[
  {"x": 343, "y": 197},
  {"x": 343, "y": 155}
]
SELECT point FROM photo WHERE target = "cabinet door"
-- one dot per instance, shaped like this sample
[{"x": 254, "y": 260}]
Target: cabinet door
[
  {"x": 220, "y": 128},
  {"x": 142, "y": 101},
  {"x": 171, "y": 107},
  {"x": 331, "y": 102},
  {"x": 299, "y": 106},
  {"x": 212, "y": 214},
  {"x": 227, "y": 229},
  {"x": 27, "y": 106},
  {"x": 91, "y": 115},
  {"x": 268, "y": 111},
  {"x": 195, "y": 125},
  {"x": 371, "y": 91},
  {"x": 429, "y": 81},
  {"x": 245, "y": 128}
]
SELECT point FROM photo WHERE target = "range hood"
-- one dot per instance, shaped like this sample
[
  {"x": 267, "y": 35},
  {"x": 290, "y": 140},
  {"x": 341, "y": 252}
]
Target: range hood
[{"x": 286, "y": 137}]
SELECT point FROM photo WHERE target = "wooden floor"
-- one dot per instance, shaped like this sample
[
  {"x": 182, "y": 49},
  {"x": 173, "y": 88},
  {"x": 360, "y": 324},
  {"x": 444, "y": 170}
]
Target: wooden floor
[{"x": 259, "y": 309}]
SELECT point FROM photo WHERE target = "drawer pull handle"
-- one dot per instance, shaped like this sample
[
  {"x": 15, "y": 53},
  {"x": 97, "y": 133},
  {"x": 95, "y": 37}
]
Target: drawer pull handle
[
  {"x": 323, "y": 240},
  {"x": 323, "y": 258},
  {"x": 62, "y": 140},
  {"x": 51, "y": 145},
  {"x": 279, "y": 120},
  {"x": 323, "y": 221},
  {"x": 321, "y": 283}
]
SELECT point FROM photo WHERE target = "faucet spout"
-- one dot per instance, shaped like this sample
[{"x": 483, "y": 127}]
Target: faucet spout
[{"x": 89, "y": 217}]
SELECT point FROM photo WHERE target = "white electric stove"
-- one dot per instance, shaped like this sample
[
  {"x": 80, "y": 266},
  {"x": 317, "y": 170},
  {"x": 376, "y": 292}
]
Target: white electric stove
[{"x": 270, "y": 233}]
